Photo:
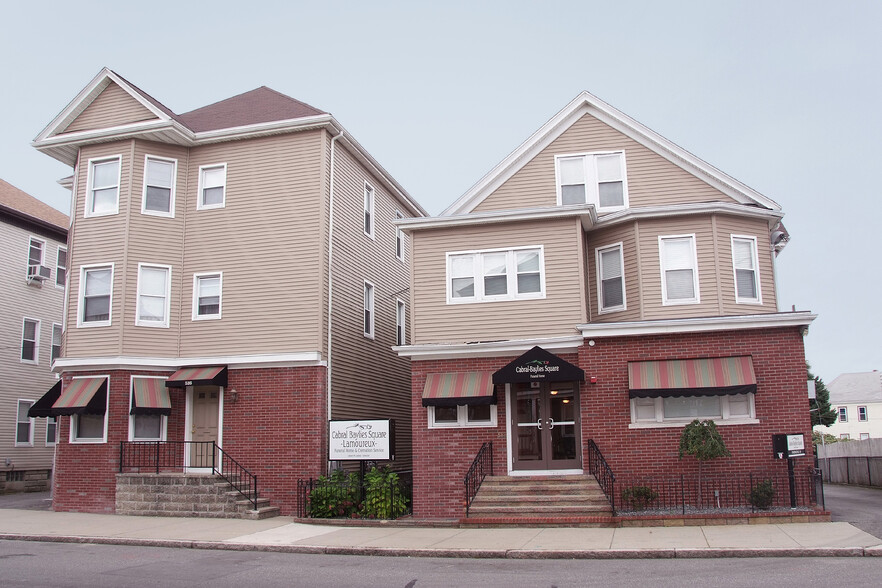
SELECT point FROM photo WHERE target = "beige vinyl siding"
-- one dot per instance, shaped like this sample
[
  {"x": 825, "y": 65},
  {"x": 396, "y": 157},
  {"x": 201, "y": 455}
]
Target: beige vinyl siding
[
  {"x": 555, "y": 315},
  {"x": 652, "y": 179},
  {"x": 368, "y": 379},
  {"x": 732, "y": 225},
  {"x": 626, "y": 235},
  {"x": 112, "y": 107}
]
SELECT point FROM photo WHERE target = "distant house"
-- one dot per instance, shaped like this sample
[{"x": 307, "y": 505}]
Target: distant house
[
  {"x": 33, "y": 274},
  {"x": 235, "y": 278},
  {"x": 857, "y": 400}
]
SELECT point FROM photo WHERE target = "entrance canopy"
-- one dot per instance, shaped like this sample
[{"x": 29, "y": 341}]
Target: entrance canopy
[
  {"x": 198, "y": 376},
  {"x": 149, "y": 396},
  {"x": 43, "y": 407},
  {"x": 538, "y": 365},
  {"x": 716, "y": 376},
  {"x": 459, "y": 388}
]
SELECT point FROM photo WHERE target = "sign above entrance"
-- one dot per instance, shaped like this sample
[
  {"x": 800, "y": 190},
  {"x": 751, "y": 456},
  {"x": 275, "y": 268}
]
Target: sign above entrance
[
  {"x": 538, "y": 365},
  {"x": 361, "y": 440}
]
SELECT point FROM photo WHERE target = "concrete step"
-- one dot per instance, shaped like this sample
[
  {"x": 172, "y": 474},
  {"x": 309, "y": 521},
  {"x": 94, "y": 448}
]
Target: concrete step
[
  {"x": 545, "y": 499},
  {"x": 586, "y": 498},
  {"x": 264, "y": 512}
]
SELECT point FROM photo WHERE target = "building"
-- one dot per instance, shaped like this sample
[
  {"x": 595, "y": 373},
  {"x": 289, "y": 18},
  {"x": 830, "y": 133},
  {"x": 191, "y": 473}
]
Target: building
[
  {"x": 33, "y": 273},
  {"x": 235, "y": 281},
  {"x": 597, "y": 290},
  {"x": 857, "y": 400}
]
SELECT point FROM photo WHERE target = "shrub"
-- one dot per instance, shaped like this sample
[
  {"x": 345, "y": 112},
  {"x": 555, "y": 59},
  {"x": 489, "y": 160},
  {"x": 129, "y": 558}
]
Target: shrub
[
  {"x": 334, "y": 496},
  {"x": 761, "y": 495},
  {"x": 639, "y": 497},
  {"x": 383, "y": 495}
]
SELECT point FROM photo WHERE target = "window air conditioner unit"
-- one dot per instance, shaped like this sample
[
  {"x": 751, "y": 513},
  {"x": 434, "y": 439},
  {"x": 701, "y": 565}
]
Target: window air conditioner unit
[{"x": 38, "y": 272}]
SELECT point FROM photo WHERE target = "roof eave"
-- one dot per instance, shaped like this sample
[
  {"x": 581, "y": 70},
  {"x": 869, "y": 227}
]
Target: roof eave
[{"x": 585, "y": 212}]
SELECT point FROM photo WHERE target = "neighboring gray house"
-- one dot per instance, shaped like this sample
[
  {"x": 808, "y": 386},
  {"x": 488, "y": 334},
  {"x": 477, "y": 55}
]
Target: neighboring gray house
[
  {"x": 33, "y": 274},
  {"x": 857, "y": 399}
]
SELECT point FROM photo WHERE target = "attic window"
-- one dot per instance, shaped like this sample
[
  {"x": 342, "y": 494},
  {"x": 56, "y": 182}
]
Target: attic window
[{"x": 592, "y": 178}]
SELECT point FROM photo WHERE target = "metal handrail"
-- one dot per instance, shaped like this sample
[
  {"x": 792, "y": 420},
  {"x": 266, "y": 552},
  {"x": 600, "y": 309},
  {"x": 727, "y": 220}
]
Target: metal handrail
[
  {"x": 237, "y": 476},
  {"x": 601, "y": 471},
  {"x": 477, "y": 472}
]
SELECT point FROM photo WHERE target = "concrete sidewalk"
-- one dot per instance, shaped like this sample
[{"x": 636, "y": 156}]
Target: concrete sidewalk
[{"x": 282, "y": 534}]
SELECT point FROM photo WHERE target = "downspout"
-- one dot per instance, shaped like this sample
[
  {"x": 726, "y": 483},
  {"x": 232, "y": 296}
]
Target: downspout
[{"x": 330, "y": 278}]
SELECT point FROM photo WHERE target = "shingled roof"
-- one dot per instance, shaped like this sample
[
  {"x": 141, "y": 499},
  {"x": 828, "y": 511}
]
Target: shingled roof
[
  {"x": 261, "y": 105},
  {"x": 22, "y": 204}
]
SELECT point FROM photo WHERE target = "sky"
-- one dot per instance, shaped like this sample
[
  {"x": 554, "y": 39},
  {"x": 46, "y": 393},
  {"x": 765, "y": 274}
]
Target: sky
[{"x": 782, "y": 95}]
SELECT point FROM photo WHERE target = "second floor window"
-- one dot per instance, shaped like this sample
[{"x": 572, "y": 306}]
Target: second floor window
[
  {"x": 610, "y": 278},
  {"x": 843, "y": 414},
  {"x": 61, "y": 267},
  {"x": 483, "y": 276},
  {"x": 56, "y": 342},
  {"x": 103, "y": 197},
  {"x": 593, "y": 178},
  {"x": 744, "y": 261},
  {"x": 159, "y": 186},
  {"x": 30, "y": 340},
  {"x": 399, "y": 238},
  {"x": 679, "y": 268},
  {"x": 368, "y": 210},
  {"x": 368, "y": 310},
  {"x": 862, "y": 413},
  {"x": 212, "y": 186},
  {"x": 96, "y": 284},
  {"x": 207, "y": 296},
  {"x": 153, "y": 295}
]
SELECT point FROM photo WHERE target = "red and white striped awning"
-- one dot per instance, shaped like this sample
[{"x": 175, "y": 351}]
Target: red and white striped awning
[
  {"x": 459, "y": 388},
  {"x": 150, "y": 396},
  {"x": 715, "y": 376},
  {"x": 198, "y": 376}
]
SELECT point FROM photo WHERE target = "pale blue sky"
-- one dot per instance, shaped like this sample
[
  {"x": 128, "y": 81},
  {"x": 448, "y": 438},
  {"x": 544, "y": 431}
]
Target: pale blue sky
[{"x": 783, "y": 95}]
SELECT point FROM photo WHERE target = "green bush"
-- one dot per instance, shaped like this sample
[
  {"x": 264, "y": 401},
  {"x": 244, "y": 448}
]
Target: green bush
[
  {"x": 639, "y": 497},
  {"x": 340, "y": 495},
  {"x": 761, "y": 495},
  {"x": 383, "y": 496},
  {"x": 334, "y": 496}
]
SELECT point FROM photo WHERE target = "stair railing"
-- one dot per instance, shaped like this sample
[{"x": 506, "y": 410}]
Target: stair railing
[
  {"x": 479, "y": 469},
  {"x": 238, "y": 477},
  {"x": 601, "y": 471}
]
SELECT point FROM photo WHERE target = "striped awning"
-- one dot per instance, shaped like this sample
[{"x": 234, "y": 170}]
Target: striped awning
[
  {"x": 716, "y": 376},
  {"x": 198, "y": 376},
  {"x": 43, "y": 407},
  {"x": 82, "y": 396},
  {"x": 459, "y": 388},
  {"x": 150, "y": 396}
]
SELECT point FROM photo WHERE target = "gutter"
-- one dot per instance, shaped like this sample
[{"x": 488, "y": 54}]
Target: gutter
[{"x": 330, "y": 274}]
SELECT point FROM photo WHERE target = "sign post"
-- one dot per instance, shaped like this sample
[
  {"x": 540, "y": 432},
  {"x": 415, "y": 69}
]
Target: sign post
[{"x": 789, "y": 446}]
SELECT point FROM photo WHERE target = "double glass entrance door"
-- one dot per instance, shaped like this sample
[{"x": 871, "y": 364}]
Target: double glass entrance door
[{"x": 545, "y": 427}]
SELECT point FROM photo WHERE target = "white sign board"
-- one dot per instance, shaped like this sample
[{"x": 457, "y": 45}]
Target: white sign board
[
  {"x": 361, "y": 440},
  {"x": 795, "y": 445}
]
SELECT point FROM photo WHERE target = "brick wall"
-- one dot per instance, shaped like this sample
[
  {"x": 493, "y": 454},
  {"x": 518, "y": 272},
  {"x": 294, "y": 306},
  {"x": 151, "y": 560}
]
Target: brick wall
[{"x": 442, "y": 456}]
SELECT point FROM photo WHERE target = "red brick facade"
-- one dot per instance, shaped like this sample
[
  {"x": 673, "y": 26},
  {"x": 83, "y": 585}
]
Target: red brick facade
[
  {"x": 442, "y": 456},
  {"x": 276, "y": 429}
]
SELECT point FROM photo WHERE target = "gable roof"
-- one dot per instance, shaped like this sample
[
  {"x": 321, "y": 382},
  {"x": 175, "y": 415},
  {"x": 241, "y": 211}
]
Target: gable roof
[
  {"x": 587, "y": 103},
  {"x": 257, "y": 106},
  {"x": 856, "y": 387},
  {"x": 21, "y": 204}
]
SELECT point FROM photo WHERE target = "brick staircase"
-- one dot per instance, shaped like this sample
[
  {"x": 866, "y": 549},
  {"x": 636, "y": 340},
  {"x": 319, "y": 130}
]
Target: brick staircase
[
  {"x": 540, "y": 501},
  {"x": 185, "y": 495}
]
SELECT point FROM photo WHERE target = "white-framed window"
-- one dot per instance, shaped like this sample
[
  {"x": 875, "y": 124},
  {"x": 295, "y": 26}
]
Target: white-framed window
[
  {"x": 864, "y": 436},
  {"x": 30, "y": 341},
  {"x": 592, "y": 178},
  {"x": 36, "y": 248},
  {"x": 368, "y": 210},
  {"x": 96, "y": 293},
  {"x": 862, "y": 414},
  {"x": 158, "y": 197},
  {"x": 844, "y": 436},
  {"x": 24, "y": 425},
  {"x": 441, "y": 417},
  {"x": 843, "y": 414},
  {"x": 495, "y": 274},
  {"x": 207, "y": 295},
  {"x": 368, "y": 310},
  {"x": 57, "y": 332},
  {"x": 90, "y": 428},
  {"x": 104, "y": 179},
  {"x": 679, "y": 269},
  {"x": 400, "y": 321},
  {"x": 746, "y": 267},
  {"x": 61, "y": 267},
  {"x": 212, "y": 186},
  {"x": 399, "y": 238},
  {"x": 51, "y": 431},
  {"x": 146, "y": 427},
  {"x": 680, "y": 410},
  {"x": 154, "y": 285},
  {"x": 610, "y": 278}
]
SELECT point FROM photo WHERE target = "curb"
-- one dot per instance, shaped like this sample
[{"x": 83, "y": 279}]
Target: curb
[{"x": 675, "y": 553}]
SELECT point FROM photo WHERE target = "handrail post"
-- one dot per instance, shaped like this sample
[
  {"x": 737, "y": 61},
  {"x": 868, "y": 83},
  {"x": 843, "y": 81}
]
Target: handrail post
[
  {"x": 121, "y": 452},
  {"x": 156, "y": 455},
  {"x": 213, "y": 457}
]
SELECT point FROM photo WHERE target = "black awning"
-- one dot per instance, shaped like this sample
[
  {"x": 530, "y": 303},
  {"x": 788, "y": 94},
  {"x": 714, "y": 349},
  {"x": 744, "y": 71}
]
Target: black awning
[
  {"x": 43, "y": 407},
  {"x": 81, "y": 396},
  {"x": 198, "y": 376},
  {"x": 538, "y": 365}
]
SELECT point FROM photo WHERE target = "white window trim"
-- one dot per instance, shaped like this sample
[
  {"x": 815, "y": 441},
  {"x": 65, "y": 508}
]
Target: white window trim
[
  {"x": 400, "y": 321},
  {"x": 840, "y": 410},
  {"x": 597, "y": 257},
  {"x": 399, "y": 239},
  {"x": 866, "y": 414},
  {"x": 372, "y": 333},
  {"x": 52, "y": 343},
  {"x": 863, "y": 436},
  {"x": 87, "y": 212},
  {"x": 42, "y": 243},
  {"x": 31, "y": 421},
  {"x": 163, "y": 426},
  {"x": 165, "y": 322},
  {"x": 664, "y": 283},
  {"x": 511, "y": 275},
  {"x": 462, "y": 421},
  {"x": 756, "y": 272},
  {"x": 36, "y": 360},
  {"x": 81, "y": 306},
  {"x": 369, "y": 207},
  {"x": 74, "y": 424},
  {"x": 199, "y": 203},
  {"x": 54, "y": 441},
  {"x": 844, "y": 437},
  {"x": 660, "y": 422},
  {"x": 220, "y": 301},
  {"x": 591, "y": 182},
  {"x": 171, "y": 197},
  {"x": 67, "y": 263}
]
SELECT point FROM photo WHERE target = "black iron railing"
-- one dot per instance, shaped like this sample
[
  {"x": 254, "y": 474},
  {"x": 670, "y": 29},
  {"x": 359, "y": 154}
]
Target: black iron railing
[
  {"x": 480, "y": 469},
  {"x": 601, "y": 471},
  {"x": 165, "y": 456},
  {"x": 387, "y": 495}
]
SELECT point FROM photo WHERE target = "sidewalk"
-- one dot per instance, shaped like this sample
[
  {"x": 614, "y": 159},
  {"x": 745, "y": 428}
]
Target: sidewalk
[{"x": 282, "y": 534}]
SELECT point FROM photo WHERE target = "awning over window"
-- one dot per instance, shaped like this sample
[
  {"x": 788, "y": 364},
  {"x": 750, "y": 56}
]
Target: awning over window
[
  {"x": 150, "y": 396},
  {"x": 455, "y": 388},
  {"x": 538, "y": 365},
  {"x": 43, "y": 407},
  {"x": 198, "y": 376},
  {"x": 82, "y": 396},
  {"x": 715, "y": 376}
]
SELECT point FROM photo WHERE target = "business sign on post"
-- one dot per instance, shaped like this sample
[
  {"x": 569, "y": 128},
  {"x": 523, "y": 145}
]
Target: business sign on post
[
  {"x": 795, "y": 446},
  {"x": 364, "y": 440}
]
